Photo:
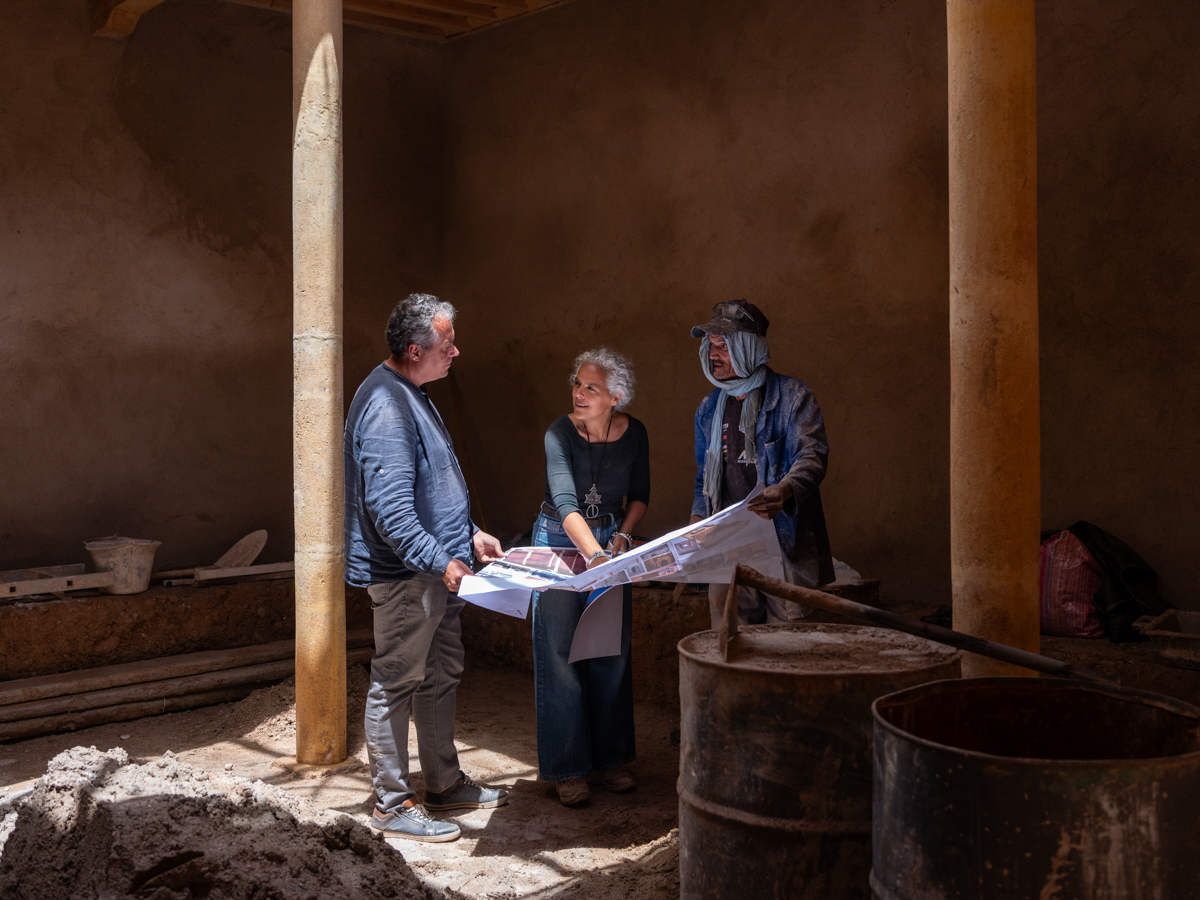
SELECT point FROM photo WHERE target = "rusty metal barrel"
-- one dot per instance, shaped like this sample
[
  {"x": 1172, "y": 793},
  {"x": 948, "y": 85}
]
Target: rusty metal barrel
[
  {"x": 775, "y": 756},
  {"x": 1015, "y": 788}
]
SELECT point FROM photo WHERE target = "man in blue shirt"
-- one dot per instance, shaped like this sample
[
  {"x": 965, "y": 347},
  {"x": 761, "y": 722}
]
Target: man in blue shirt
[
  {"x": 409, "y": 542},
  {"x": 760, "y": 425}
]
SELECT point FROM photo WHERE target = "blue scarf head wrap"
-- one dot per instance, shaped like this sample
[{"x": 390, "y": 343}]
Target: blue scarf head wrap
[{"x": 748, "y": 353}]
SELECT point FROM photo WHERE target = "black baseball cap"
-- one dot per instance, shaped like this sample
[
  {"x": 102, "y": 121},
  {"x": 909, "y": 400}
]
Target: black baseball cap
[{"x": 735, "y": 315}]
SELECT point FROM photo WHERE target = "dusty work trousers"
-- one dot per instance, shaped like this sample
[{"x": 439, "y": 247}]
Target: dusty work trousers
[
  {"x": 417, "y": 667},
  {"x": 757, "y": 608}
]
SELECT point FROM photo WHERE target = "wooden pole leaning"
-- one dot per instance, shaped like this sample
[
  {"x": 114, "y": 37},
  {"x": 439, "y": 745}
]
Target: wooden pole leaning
[
  {"x": 869, "y": 615},
  {"x": 317, "y": 381}
]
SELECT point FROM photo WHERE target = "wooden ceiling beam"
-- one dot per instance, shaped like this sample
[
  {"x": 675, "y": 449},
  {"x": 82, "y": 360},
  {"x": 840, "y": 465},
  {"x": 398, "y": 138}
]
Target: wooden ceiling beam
[
  {"x": 363, "y": 20},
  {"x": 515, "y": 5},
  {"x": 431, "y": 20},
  {"x": 471, "y": 9},
  {"x": 118, "y": 18},
  {"x": 393, "y": 26},
  {"x": 406, "y": 12}
]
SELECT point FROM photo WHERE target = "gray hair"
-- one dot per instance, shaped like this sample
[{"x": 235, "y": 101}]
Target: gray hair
[
  {"x": 618, "y": 372},
  {"x": 411, "y": 322}
]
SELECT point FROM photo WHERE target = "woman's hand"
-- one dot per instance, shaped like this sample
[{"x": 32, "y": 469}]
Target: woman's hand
[
  {"x": 598, "y": 558},
  {"x": 618, "y": 544}
]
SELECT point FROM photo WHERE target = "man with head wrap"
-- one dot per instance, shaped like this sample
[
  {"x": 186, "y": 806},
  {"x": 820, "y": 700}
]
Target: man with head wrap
[{"x": 756, "y": 425}]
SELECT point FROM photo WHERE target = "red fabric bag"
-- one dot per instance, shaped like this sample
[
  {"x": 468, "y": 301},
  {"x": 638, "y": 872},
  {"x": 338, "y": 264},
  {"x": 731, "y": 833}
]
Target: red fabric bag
[{"x": 1069, "y": 578}]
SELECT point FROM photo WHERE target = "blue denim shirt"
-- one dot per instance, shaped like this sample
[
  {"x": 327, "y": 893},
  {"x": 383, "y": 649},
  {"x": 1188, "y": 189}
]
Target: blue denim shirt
[
  {"x": 791, "y": 447},
  {"x": 407, "y": 507}
]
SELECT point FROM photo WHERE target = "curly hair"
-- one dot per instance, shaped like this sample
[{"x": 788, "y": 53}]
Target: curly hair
[
  {"x": 411, "y": 322},
  {"x": 618, "y": 372}
]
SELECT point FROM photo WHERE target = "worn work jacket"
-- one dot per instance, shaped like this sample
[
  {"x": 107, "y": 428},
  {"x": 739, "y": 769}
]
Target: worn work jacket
[
  {"x": 791, "y": 446},
  {"x": 407, "y": 506}
]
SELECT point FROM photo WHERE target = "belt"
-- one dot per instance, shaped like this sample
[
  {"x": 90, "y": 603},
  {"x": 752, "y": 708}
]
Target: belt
[{"x": 600, "y": 522}]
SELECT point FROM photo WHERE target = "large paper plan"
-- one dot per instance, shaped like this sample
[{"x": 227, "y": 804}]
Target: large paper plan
[{"x": 705, "y": 552}]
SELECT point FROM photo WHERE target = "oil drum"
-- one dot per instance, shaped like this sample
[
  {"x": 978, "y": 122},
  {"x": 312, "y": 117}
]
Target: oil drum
[
  {"x": 1016, "y": 788},
  {"x": 775, "y": 756}
]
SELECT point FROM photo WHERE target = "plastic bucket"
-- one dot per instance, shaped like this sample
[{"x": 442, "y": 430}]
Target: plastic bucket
[{"x": 131, "y": 560}]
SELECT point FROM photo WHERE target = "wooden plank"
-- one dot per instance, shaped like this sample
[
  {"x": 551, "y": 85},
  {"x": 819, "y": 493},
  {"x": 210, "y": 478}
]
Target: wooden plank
[
  {"x": 149, "y": 690},
  {"x": 388, "y": 15},
  {"x": 510, "y": 12},
  {"x": 83, "y": 680},
  {"x": 123, "y": 712},
  {"x": 15, "y": 589},
  {"x": 212, "y": 575},
  {"x": 167, "y": 687},
  {"x": 244, "y": 552},
  {"x": 394, "y": 26},
  {"x": 364, "y": 20},
  {"x": 869, "y": 615},
  {"x": 40, "y": 572},
  {"x": 26, "y": 728},
  {"x": 406, "y": 13},
  {"x": 469, "y": 9}
]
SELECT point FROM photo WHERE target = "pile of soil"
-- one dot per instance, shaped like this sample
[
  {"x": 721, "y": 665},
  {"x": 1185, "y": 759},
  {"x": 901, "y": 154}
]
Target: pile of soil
[{"x": 97, "y": 825}]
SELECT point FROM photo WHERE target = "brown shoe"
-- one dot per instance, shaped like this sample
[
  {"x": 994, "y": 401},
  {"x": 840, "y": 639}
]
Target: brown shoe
[
  {"x": 573, "y": 791},
  {"x": 618, "y": 779}
]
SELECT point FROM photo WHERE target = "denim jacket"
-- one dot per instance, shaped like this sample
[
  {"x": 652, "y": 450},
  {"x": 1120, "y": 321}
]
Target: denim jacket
[
  {"x": 791, "y": 446},
  {"x": 407, "y": 507}
]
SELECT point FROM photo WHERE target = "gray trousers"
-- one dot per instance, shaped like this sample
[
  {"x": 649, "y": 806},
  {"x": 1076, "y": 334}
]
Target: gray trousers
[
  {"x": 757, "y": 608},
  {"x": 417, "y": 667}
]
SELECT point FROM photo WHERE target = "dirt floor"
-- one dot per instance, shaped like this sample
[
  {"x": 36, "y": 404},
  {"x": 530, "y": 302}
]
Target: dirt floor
[
  {"x": 132, "y": 813},
  {"x": 616, "y": 847}
]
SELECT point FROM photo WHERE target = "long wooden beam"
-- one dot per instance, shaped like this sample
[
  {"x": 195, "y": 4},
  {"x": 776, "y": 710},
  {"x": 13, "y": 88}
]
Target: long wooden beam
[
  {"x": 869, "y": 615},
  {"x": 405, "y": 12},
  {"x": 468, "y": 8},
  {"x": 375, "y": 23},
  {"x": 434, "y": 20}
]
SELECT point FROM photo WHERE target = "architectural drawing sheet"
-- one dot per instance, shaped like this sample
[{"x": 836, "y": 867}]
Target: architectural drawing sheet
[{"x": 705, "y": 552}]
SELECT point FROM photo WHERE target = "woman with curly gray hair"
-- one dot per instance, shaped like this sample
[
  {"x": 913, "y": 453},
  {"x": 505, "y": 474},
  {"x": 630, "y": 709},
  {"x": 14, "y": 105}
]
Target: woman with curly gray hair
[{"x": 597, "y": 489}]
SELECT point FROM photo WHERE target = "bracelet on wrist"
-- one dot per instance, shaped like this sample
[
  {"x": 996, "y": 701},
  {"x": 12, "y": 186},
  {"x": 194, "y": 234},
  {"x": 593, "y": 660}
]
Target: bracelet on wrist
[
  {"x": 599, "y": 553},
  {"x": 628, "y": 537}
]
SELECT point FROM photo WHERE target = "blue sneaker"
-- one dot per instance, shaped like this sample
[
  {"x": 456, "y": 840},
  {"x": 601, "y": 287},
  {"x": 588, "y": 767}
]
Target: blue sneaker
[
  {"x": 466, "y": 794},
  {"x": 411, "y": 822}
]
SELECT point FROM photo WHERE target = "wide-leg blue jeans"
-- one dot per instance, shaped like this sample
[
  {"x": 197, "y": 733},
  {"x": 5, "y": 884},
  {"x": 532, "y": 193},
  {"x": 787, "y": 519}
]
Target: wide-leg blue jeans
[{"x": 584, "y": 710}]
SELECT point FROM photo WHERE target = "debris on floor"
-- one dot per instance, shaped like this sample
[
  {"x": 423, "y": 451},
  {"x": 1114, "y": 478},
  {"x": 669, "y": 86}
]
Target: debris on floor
[
  {"x": 619, "y": 847},
  {"x": 98, "y": 825}
]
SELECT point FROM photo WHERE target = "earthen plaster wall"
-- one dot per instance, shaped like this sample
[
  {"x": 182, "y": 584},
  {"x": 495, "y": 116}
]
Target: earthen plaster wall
[
  {"x": 598, "y": 173},
  {"x": 145, "y": 266},
  {"x": 615, "y": 167}
]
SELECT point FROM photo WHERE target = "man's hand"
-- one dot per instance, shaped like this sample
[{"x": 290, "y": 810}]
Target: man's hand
[
  {"x": 454, "y": 573},
  {"x": 487, "y": 548},
  {"x": 770, "y": 502},
  {"x": 694, "y": 519}
]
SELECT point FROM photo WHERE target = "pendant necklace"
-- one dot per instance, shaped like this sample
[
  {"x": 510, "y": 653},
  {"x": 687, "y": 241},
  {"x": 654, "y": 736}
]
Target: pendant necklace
[{"x": 592, "y": 498}]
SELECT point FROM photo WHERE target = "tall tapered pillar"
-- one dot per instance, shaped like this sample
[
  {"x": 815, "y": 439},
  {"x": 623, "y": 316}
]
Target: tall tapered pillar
[
  {"x": 317, "y": 380},
  {"x": 995, "y": 478}
]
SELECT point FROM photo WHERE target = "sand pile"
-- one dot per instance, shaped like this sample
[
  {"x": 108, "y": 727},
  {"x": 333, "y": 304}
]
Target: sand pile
[{"x": 99, "y": 826}]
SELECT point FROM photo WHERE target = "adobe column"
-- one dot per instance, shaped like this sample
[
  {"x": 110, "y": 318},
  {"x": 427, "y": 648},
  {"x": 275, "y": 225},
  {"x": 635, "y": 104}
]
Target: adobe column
[
  {"x": 317, "y": 380},
  {"x": 995, "y": 505}
]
